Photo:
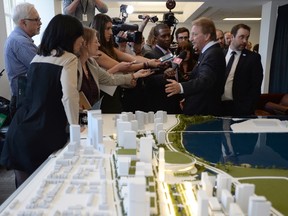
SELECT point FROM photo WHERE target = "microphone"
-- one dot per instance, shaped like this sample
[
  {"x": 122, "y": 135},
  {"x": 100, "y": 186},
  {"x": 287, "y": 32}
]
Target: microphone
[
  {"x": 153, "y": 19},
  {"x": 175, "y": 63},
  {"x": 126, "y": 27},
  {"x": 142, "y": 16},
  {"x": 178, "y": 59},
  {"x": 166, "y": 58}
]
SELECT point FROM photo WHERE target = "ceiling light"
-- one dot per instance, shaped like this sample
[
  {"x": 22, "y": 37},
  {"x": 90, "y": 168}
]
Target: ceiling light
[
  {"x": 246, "y": 19},
  {"x": 130, "y": 9}
]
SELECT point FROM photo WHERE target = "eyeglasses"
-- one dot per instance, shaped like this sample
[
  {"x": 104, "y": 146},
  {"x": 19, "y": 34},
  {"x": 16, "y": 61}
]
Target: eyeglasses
[
  {"x": 38, "y": 20},
  {"x": 183, "y": 38}
]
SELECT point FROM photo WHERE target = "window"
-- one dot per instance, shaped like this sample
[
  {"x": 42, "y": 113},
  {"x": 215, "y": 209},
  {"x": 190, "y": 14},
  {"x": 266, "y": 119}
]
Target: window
[{"x": 8, "y": 9}]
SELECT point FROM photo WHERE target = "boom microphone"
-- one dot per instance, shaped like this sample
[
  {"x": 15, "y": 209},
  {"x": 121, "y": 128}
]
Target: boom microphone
[{"x": 142, "y": 16}]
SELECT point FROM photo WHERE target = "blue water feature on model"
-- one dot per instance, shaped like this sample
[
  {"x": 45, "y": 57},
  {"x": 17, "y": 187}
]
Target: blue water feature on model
[{"x": 215, "y": 142}]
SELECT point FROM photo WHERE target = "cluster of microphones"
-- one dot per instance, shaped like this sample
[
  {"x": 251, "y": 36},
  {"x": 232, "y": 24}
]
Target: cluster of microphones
[{"x": 174, "y": 60}]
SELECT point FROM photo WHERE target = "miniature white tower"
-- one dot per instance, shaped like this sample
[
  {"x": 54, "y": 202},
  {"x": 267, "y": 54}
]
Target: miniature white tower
[
  {"x": 202, "y": 198},
  {"x": 129, "y": 140},
  {"x": 95, "y": 127},
  {"x": 121, "y": 127},
  {"x": 161, "y": 165},
  {"x": 137, "y": 204},
  {"x": 223, "y": 182},
  {"x": 75, "y": 134},
  {"x": 259, "y": 206},
  {"x": 242, "y": 194},
  {"x": 146, "y": 149}
]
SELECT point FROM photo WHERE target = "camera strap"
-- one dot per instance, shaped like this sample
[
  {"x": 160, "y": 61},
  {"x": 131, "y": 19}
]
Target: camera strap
[{"x": 84, "y": 10}]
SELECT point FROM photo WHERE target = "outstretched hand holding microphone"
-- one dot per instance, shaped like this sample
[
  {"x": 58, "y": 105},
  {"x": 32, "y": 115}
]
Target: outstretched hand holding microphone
[
  {"x": 175, "y": 64},
  {"x": 173, "y": 87}
]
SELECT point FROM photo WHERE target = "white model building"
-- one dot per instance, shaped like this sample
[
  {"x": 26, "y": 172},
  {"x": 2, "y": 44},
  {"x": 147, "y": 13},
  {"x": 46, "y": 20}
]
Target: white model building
[
  {"x": 84, "y": 175},
  {"x": 158, "y": 127},
  {"x": 103, "y": 198},
  {"x": 137, "y": 199},
  {"x": 259, "y": 206},
  {"x": 214, "y": 204},
  {"x": 134, "y": 125},
  {"x": 235, "y": 210},
  {"x": 226, "y": 199},
  {"x": 161, "y": 165},
  {"x": 75, "y": 134},
  {"x": 140, "y": 117},
  {"x": 202, "y": 204},
  {"x": 123, "y": 164},
  {"x": 161, "y": 136},
  {"x": 140, "y": 169},
  {"x": 95, "y": 128},
  {"x": 129, "y": 139},
  {"x": 145, "y": 151},
  {"x": 121, "y": 127},
  {"x": 162, "y": 115},
  {"x": 150, "y": 117},
  {"x": 207, "y": 183},
  {"x": 223, "y": 182},
  {"x": 242, "y": 194}
]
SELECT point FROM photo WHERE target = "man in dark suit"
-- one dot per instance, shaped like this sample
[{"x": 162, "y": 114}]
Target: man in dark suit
[
  {"x": 202, "y": 93},
  {"x": 243, "y": 83},
  {"x": 155, "y": 85}
]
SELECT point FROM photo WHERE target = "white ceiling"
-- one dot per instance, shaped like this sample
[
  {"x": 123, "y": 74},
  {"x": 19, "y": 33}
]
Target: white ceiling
[{"x": 186, "y": 11}]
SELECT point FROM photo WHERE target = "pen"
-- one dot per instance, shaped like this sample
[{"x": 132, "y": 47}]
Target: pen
[{"x": 2, "y": 72}]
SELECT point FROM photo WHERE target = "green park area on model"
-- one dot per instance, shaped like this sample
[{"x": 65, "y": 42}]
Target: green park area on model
[
  {"x": 275, "y": 190},
  {"x": 177, "y": 158}
]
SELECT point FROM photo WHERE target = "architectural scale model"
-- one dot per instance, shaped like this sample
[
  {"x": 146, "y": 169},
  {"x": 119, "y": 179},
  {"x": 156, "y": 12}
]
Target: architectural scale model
[{"x": 130, "y": 173}]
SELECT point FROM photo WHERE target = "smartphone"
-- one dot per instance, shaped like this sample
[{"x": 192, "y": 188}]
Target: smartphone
[{"x": 167, "y": 57}]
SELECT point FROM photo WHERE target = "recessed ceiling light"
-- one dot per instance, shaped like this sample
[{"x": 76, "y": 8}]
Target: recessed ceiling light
[{"x": 247, "y": 19}]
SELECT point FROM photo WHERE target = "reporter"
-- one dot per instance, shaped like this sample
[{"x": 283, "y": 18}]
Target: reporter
[
  {"x": 188, "y": 63},
  {"x": 91, "y": 75},
  {"x": 111, "y": 56},
  {"x": 52, "y": 99},
  {"x": 84, "y": 10}
]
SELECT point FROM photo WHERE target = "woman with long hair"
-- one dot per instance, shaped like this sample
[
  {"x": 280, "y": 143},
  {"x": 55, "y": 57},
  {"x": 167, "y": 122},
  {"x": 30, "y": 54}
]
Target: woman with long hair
[
  {"x": 123, "y": 99},
  {"x": 91, "y": 75},
  {"x": 39, "y": 126},
  {"x": 189, "y": 62}
]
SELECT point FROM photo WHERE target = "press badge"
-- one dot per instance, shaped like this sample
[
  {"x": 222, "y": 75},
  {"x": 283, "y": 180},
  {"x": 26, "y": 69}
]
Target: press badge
[{"x": 84, "y": 17}]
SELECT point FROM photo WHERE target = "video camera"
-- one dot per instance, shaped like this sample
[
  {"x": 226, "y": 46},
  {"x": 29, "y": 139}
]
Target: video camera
[
  {"x": 169, "y": 18},
  {"x": 133, "y": 35},
  {"x": 152, "y": 19}
]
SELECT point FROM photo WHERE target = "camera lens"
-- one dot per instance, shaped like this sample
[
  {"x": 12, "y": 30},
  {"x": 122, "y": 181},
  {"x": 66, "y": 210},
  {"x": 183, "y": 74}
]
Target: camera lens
[{"x": 170, "y": 4}]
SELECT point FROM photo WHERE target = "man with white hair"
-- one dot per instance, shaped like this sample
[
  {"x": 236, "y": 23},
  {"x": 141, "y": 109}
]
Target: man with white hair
[{"x": 19, "y": 47}]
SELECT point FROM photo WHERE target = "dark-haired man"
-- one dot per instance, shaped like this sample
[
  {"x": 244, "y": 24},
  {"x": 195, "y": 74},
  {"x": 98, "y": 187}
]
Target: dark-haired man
[
  {"x": 155, "y": 84},
  {"x": 243, "y": 83},
  {"x": 182, "y": 34}
]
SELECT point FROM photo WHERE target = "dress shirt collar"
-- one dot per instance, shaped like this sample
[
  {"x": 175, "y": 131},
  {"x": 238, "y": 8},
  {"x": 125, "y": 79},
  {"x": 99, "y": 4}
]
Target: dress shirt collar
[
  {"x": 23, "y": 33},
  {"x": 163, "y": 50},
  {"x": 230, "y": 50},
  {"x": 209, "y": 44}
]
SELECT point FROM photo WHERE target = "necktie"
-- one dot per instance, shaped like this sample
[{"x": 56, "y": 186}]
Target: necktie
[{"x": 230, "y": 63}]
